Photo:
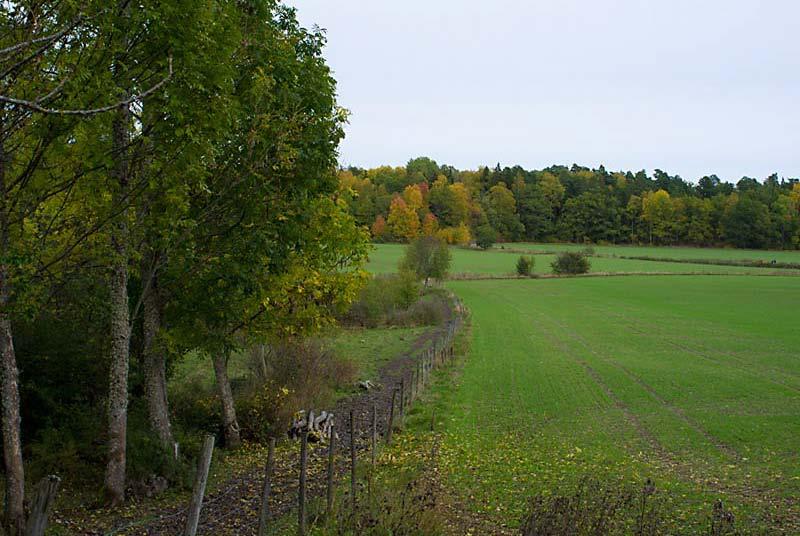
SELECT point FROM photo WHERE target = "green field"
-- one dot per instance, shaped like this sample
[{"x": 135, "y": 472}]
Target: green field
[
  {"x": 691, "y": 381},
  {"x": 496, "y": 262},
  {"x": 666, "y": 252}
]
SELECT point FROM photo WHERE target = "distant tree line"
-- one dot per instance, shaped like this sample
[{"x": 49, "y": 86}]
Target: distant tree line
[{"x": 571, "y": 204}]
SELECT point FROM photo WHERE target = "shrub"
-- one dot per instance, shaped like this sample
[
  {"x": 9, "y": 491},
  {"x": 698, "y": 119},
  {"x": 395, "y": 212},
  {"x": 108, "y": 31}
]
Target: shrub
[
  {"x": 525, "y": 265},
  {"x": 394, "y": 506},
  {"x": 430, "y": 311},
  {"x": 485, "y": 236},
  {"x": 381, "y": 297},
  {"x": 595, "y": 508},
  {"x": 569, "y": 262},
  {"x": 291, "y": 375}
]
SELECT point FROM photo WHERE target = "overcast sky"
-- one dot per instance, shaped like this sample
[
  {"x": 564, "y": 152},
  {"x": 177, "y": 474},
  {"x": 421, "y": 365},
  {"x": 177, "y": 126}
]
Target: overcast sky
[{"x": 690, "y": 87}]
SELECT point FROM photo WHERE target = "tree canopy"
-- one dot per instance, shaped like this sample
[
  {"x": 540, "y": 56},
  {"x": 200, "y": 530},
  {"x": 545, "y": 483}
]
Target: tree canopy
[{"x": 576, "y": 204}]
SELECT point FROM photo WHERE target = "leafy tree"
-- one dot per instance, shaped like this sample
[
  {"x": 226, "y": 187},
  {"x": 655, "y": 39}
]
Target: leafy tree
[
  {"x": 449, "y": 202},
  {"x": 658, "y": 211},
  {"x": 378, "y": 229},
  {"x": 423, "y": 166},
  {"x": 501, "y": 210},
  {"x": 746, "y": 223},
  {"x": 693, "y": 220},
  {"x": 403, "y": 220},
  {"x": 455, "y": 235},
  {"x": 430, "y": 225},
  {"x": 412, "y": 195},
  {"x": 428, "y": 257},
  {"x": 485, "y": 236},
  {"x": 590, "y": 217}
]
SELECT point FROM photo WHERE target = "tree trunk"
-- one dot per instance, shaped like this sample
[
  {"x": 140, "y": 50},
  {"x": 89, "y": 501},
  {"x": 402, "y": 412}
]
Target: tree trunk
[
  {"x": 9, "y": 388},
  {"x": 232, "y": 439},
  {"x": 120, "y": 319},
  {"x": 155, "y": 373}
]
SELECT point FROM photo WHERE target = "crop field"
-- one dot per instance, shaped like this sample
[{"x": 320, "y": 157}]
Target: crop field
[
  {"x": 691, "y": 381},
  {"x": 666, "y": 252},
  {"x": 497, "y": 262}
]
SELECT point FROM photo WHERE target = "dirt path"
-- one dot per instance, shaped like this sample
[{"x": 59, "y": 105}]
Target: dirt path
[{"x": 233, "y": 508}]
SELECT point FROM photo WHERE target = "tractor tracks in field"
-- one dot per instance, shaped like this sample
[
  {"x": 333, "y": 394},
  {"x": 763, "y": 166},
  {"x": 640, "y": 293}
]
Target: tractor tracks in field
[
  {"x": 629, "y": 416},
  {"x": 704, "y": 353},
  {"x": 664, "y": 454},
  {"x": 672, "y": 408}
]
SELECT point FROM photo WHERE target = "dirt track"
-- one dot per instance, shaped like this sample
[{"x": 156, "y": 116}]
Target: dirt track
[{"x": 233, "y": 507}]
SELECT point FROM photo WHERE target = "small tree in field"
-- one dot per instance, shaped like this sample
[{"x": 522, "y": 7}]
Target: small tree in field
[
  {"x": 485, "y": 236},
  {"x": 428, "y": 257},
  {"x": 569, "y": 262},
  {"x": 525, "y": 266}
]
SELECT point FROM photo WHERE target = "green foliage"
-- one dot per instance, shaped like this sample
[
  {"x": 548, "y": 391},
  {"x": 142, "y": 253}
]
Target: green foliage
[
  {"x": 579, "y": 204},
  {"x": 570, "y": 263},
  {"x": 230, "y": 217},
  {"x": 287, "y": 376},
  {"x": 428, "y": 257},
  {"x": 501, "y": 211},
  {"x": 525, "y": 265},
  {"x": 747, "y": 223},
  {"x": 381, "y": 297},
  {"x": 485, "y": 236}
]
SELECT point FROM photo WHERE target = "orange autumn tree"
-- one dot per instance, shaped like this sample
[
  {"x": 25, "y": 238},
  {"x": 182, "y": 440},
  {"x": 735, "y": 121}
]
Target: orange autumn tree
[
  {"x": 429, "y": 225},
  {"x": 378, "y": 229}
]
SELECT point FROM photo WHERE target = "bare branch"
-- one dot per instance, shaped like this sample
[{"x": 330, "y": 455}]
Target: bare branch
[
  {"x": 46, "y": 39},
  {"x": 36, "y": 107}
]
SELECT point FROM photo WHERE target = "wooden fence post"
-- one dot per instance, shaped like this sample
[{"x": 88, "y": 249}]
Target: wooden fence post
[
  {"x": 264, "y": 513},
  {"x": 353, "y": 459},
  {"x": 402, "y": 401},
  {"x": 331, "y": 448},
  {"x": 301, "y": 492},
  {"x": 374, "y": 433},
  {"x": 390, "y": 424},
  {"x": 43, "y": 499},
  {"x": 193, "y": 517}
]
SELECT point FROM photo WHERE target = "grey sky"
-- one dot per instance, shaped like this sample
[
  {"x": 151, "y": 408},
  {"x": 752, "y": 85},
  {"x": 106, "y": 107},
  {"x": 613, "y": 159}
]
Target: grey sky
[{"x": 691, "y": 87}]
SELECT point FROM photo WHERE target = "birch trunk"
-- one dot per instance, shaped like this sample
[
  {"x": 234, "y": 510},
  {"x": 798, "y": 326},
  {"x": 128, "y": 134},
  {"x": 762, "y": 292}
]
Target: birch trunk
[
  {"x": 120, "y": 319},
  {"x": 9, "y": 385},
  {"x": 232, "y": 439},
  {"x": 155, "y": 373}
]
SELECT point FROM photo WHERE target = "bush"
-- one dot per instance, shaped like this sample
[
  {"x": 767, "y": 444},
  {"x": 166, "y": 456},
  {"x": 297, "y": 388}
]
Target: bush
[
  {"x": 525, "y": 266},
  {"x": 381, "y": 298},
  {"x": 429, "y": 311},
  {"x": 569, "y": 262},
  {"x": 288, "y": 376},
  {"x": 485, "y": 236},
  {"x": 394, "y": 506},
  {"x": 597, "y": 508}
]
